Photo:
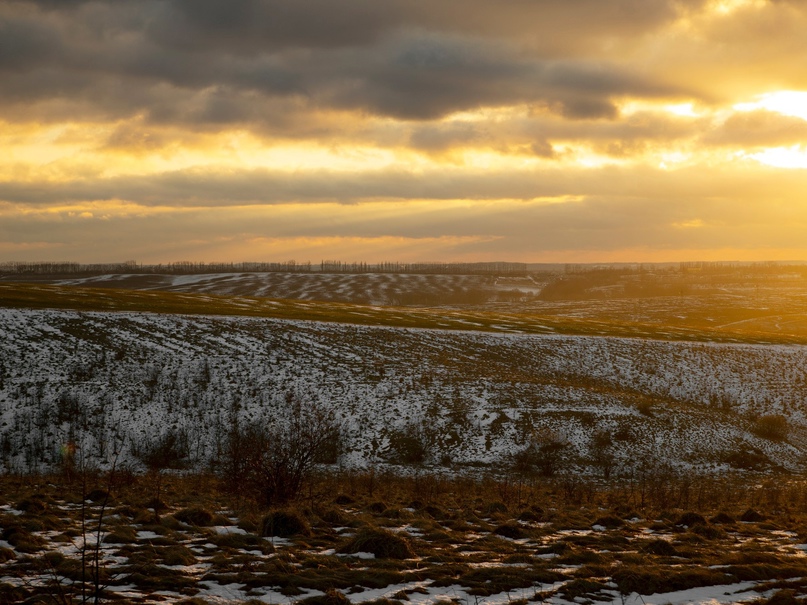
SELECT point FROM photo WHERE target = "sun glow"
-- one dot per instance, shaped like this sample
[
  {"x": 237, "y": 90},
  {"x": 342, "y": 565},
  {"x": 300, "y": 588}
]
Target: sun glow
[
  {"x": 686, "y": 110},
  {"x": 726, "y": 7},
  {"x": 786, "y": 102},
  {"x": 794, "y": 156}
]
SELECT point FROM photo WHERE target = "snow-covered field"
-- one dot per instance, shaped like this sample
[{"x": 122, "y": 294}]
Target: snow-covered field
[
  {"x": 364, "y": 288},
  {"x": 107, "y": 381}
]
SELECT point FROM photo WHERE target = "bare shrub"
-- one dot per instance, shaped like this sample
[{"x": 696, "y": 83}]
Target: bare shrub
[
  {"x": 271, "y": 462},
  {"x": 771, "y": 426},
  {"x": 408, "y": 445},
  {"x": 601, "y": 451},
  {"x": 544, "y": 455},
  {"x": 168, "y": 451}
]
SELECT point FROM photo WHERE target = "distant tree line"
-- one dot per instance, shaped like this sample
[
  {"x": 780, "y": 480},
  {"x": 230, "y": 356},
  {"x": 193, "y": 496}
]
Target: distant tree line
[
  {"x": 497, "y": 268},
  {"x": 325, "y": 266}
]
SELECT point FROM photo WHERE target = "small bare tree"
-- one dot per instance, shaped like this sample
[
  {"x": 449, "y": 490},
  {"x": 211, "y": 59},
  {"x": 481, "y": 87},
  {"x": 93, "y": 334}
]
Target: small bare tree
[
  {"x": 168, "y": 451},
  {"x": 272, "y": 462}
]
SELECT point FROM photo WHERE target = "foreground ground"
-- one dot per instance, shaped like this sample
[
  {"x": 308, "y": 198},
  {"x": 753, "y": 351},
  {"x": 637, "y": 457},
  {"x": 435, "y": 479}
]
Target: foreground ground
[{"x": 376, "y": 538}]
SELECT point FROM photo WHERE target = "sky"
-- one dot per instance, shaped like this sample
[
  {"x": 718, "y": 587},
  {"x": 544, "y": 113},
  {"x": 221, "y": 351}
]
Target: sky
[{"x": 403, "y": 130}]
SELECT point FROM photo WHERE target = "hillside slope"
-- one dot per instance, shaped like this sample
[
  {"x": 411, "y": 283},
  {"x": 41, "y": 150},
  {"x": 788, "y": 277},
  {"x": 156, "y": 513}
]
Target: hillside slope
[{"x": 113, "y": 380}]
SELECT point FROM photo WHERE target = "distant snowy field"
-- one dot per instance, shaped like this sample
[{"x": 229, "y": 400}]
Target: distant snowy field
[
  {"x": 109, "y": 380},
  {"x": 363, "y": 288}
]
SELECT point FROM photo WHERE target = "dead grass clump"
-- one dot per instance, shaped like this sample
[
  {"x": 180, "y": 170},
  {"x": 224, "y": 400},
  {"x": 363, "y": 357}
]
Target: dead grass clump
[
  {"x": 581, "y": 557},
  {"x": 709, "y": 532},
  {"x": 784, "y": 597},
  {"x": 487, "y": 581},
  {"x": 22, "y": 540},
  {"x": 752, "y": 516},
  {"x": 285, "y": 524},
  {"x": 97, "y": 495},
  {"x": 763, "y": 571},
  {"x": 35, "y": 505},
  {"x": 6, "y": 554},
  {"x": 649, "y": 579},
  {"x": 195, "y": 516},
  {"x": 557, "y": 548},
  {"x": 660, "y": 548},
  {"x": 382, "y": 543},
  {"x": 494, "y": 508},
  {"x": 510, "y": 530},
  {"x": 690, "y": 519},
  {"x": 334, "y": 516},
  {"x": 249, "y": 523},
  {"x": 569, "y": 519},
  {"x": 534, "y": 514},
  {"x": 585, "y": 588},
  {"x": 69, "y": 568},
  {"x": 151, "y": 577},
  {"x": 331, "y": 597},
  {"x": 376, "y": 508},
  {"x": 122, "y": 534},
  {"x": 127, "y": 510},
  {"x": 439, "y": 537},
  {"x": 747, "y": 555},
  {"x": 176, "y": 555},
  {"x": 393, "y": 512},
  {"x": 158, "y": 528},
  {"x": 594, "y": 571},
  {"x": 609, "y": 522},
  {"x": 157, "y": 505},
  {"x": 435, "y": 512},
  {"x": 44, "y": 522},
  {"x": 242, "y": 542},
  {"x": 722, "y": 519},
  {"x": 12, "y": 594}
]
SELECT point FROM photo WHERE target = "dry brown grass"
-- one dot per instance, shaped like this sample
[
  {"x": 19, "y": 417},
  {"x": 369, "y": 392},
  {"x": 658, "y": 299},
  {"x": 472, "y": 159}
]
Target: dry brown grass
[{"x": 464, "y": 536}]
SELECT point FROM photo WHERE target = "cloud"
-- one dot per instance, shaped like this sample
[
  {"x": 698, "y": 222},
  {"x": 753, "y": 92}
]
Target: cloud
[
  {"x": 413, "y": 230},
  {"x": 469, "y": 123},
  {"x": 105, "y": 56},
  {"x": 230, "y": 187},
  {"x": 758, "y": 129}
]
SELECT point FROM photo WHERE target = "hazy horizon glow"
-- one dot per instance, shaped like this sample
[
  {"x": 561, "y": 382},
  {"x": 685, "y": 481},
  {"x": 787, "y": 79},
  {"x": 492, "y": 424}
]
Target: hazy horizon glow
[{"x": 473, "y": 130}]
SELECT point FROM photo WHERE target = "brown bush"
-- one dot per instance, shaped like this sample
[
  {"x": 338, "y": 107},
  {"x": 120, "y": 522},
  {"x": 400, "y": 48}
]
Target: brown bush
[{"x": 773, "y": 427}]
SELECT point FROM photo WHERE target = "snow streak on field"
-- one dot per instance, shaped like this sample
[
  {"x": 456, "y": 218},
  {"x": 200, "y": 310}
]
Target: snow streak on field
[
  {"x": 365, "y": 288},
  {"x": 111, "y": 380}
]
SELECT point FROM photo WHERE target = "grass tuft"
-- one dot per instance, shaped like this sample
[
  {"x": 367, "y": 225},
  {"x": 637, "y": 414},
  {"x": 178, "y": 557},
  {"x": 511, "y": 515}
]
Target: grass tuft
[
  {"x": 660, "y": 548},
  {"x": 510, "y": 530},
  {"x": 752, "y": 516},
  {"x": 382, "y": 543},
  {"x": 285, "y": 524},
  {"x": 195, "y": 516},
  {"x": 609, "y": 522},
  {"x": 722, "y": 519},
  {"x": 691, "y": 519},
  {"x": 331, "y": 597}
]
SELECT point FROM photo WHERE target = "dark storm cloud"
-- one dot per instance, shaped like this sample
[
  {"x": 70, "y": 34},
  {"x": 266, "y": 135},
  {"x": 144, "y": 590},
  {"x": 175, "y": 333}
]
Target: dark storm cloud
[
  {"x": 256, "y": 25},
  {"x": 394, "y": 60},
  {"x": 426, "y": 77},
  {"x": 26, "y": 44}
]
